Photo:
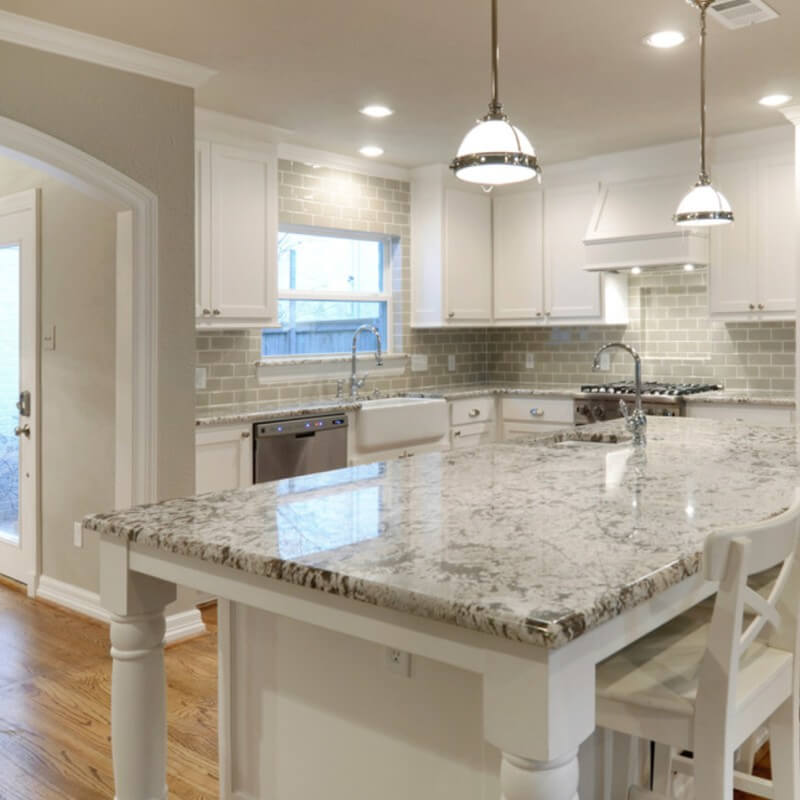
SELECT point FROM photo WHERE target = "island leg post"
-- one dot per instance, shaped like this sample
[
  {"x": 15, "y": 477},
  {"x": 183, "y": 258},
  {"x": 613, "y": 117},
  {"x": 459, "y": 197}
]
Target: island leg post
[
  {"x": 526, "y": 779},
  {"x": 138, "y": 679}
]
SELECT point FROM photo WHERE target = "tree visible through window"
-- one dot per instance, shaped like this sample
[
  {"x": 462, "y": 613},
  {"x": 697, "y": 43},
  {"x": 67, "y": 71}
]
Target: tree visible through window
[{"x": 329, "y": 283}]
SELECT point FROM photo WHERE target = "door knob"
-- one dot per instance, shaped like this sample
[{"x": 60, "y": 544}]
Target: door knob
[{"x": 24, "y": 430}]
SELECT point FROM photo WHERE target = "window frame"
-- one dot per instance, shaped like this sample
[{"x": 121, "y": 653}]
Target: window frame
[{"x": 385, "y": 296}]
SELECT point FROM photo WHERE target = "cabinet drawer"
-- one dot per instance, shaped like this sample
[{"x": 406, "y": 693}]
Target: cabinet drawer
[
  {"x": 520, "y": 430},
  {"x": 538, "y": 409},
  {"x": 472, "y": 435},
  {"x": 474, "y": 409}
]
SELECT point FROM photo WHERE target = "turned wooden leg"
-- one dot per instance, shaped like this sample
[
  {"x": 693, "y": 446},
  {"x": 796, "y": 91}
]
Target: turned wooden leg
[
  {"x": 524, "y": 779},
  {"x": 138, "y": 706}
]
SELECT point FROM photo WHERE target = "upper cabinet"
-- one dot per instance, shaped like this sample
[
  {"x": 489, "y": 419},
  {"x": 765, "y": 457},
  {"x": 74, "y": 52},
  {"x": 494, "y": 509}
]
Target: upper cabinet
[
  {"x": 753, "y": 261},
  {"x": 236, "y": 207},
  {"x": 451, "y": 252}
]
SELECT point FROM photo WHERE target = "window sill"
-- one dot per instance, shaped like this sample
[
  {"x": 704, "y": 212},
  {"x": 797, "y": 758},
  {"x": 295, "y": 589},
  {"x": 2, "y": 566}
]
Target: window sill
[{"x": 312, "y": 368}]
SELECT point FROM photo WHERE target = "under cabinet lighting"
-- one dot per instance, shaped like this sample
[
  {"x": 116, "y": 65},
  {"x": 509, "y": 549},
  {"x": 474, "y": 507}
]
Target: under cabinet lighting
[
  {"x": 775, "y": 100},
  {"x": 371, "y": 151},
  {"x": 663, "y": 40},
  {"x": 377, "y": 112},
  {"x": 688, "y": 267}
]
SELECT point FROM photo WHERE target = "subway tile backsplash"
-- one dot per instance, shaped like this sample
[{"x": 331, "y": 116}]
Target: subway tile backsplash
[{"x": 669, "y": 322}]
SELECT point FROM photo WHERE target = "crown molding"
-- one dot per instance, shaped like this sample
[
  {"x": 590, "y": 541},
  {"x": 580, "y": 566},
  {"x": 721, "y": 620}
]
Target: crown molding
[
  {"x": 226, "y": 127},
  {"x": 39, "y": 35},
  {"x": 792, "y": 113},
  {"x": 364, "y": 166}
]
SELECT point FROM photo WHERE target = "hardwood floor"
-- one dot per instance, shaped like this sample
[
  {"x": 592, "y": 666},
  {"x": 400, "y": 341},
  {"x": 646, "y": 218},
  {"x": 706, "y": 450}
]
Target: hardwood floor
[
  {"x": 55, "y": 681},
  {"x": 55, "y": 677}
]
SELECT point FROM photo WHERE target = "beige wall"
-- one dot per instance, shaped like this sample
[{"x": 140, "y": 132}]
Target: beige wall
[
  {"x": 145, "y": 129},
  {"x": 77, "y": 241}
]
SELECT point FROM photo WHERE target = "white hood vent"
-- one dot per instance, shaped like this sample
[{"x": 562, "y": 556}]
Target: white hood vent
[
  {"x": 632, "y": 227},
  {"x": 741, "y": 13}
]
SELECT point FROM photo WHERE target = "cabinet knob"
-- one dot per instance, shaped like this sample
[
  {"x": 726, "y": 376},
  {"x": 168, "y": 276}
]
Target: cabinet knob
[
  {"x": 475, "y": 412},
  {"x": 457, "y": 433},
  {"x": 538, "y": 313},
  {"x": 217, "y": 312},
  {"x": 451, "y": 315},
  {"x": 547, "y": 313},
  {"x": 206, "y": 312},
  {"x": 752, "y": 307},
  {"x": 760, "y": 306},
  {"x": 245, "y": 434}
]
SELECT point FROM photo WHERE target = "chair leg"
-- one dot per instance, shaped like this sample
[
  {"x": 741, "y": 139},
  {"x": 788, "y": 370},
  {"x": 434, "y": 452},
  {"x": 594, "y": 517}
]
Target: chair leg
[
  {"x": 784, "y": 745},
  {"x": 662, "y": 770},
  {"x": 713, "y": 769}
]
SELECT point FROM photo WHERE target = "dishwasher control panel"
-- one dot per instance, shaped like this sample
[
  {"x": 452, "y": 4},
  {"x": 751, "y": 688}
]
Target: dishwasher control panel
[{"x": 287, "y": 427}]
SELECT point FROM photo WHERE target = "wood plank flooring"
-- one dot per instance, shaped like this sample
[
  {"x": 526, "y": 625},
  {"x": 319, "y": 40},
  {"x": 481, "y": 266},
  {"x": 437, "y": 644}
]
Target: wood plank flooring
[{"x": 55, "y": 682}]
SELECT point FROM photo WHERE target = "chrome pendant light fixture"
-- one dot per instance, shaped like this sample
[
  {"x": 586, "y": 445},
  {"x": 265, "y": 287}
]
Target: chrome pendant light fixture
[
  {"x": 704, "y": 205},
  {"x": 495, "y": 152}
]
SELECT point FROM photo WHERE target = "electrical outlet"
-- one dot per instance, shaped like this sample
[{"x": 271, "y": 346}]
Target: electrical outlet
[
  {"x": 49, "y": 338},
  {"x": 605, "y": 362},
  {"x": 419, "y": 362},
  {"x": 77, "y": 534},
  {"x": 530, "y": 361},
  {"x": 200, "y": 377},
  {"x": 398, "y": 662},
  {"x": 451, "y": 363}
]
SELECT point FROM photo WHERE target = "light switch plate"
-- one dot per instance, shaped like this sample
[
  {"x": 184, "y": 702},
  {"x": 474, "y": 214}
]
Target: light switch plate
[
  {"x": 49, "y": 338},
  {"x": 451, "y": 363},
  {"x": 419, "y": 363},
  {"x": 77, "y": 535},
  {"x": 200, "y": 377},
  {"x": 530, "y": 361}
]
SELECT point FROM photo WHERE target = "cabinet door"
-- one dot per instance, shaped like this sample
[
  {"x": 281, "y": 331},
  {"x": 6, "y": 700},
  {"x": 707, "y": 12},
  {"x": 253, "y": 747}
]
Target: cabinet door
[
  {"x": 732, "y": 280},
  {"x": 243, "y": 234},
  {"x": 468, "y": 256},
  {"x": 570, "y": 291},
  {"x": 518, "y": 256},
  {"x": 777, "y": 241},
  {"x": 202, "y": 229},
  {"x": 223, "y": 459}
]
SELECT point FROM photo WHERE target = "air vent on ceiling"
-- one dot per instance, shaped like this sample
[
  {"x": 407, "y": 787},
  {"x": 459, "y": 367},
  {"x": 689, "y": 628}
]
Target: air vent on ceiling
[{"x": 741, "y": 13}]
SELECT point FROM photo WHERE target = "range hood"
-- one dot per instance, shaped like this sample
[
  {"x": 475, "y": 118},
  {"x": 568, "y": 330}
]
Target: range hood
[{"x": 631, "y": 226}]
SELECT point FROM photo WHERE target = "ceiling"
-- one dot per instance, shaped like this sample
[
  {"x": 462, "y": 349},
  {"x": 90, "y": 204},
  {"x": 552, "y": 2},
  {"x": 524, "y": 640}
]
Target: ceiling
[{"x": 575, "y": 75}]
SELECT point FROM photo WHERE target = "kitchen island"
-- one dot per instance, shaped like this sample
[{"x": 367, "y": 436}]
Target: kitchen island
[{"x": 507, "y": 572}]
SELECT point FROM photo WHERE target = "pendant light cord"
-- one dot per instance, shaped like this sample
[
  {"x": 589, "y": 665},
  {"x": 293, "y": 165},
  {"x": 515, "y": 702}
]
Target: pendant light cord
[
  {"x": 703, "y": 6},
  {"x": 495, "y": 106}
]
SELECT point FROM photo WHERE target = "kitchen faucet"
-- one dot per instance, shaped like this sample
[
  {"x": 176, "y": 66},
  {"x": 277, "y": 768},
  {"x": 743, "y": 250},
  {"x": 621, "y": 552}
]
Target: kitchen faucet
[
  {"x": 355, "y": 382},
  {"x": 635, "y": 421}
]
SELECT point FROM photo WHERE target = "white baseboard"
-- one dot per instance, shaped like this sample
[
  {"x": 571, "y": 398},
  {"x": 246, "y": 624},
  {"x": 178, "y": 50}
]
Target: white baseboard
[{"x": 182, "y": 625}]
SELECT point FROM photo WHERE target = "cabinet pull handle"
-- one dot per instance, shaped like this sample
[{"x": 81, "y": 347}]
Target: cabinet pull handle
[
  {"x": 760, "y": 306},
  {"x": 217, "y": 312},
  {"x": 752, "y": 307},
  {"x": 456, "y": 433},
  {"x": 475, "y": 412},
  {"x": 547, "y": 313},
  {"x": 536, "y": 412},
  {"x": 451, "y": 315},
  {"x": 245, "y": 434},
  {"x": 206, "y": 312},
  {"x": 538, "y": 313}
]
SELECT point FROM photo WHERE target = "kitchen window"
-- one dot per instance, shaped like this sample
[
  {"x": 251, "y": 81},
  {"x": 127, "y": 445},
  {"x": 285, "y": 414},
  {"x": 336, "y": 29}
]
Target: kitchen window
[{"x": 329, "y": 283}]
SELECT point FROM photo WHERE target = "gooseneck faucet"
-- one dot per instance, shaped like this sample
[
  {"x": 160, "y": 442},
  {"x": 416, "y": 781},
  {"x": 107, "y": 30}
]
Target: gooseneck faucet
[
  {"x": 355, "y": 382},
  {"x": 636, "y": 420}
]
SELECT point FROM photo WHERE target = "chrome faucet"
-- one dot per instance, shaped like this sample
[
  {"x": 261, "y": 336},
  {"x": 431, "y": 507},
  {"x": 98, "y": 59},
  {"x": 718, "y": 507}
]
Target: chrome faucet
[
  {"x": 355, "y": 382},
  {"x": 636, "y": 420}
]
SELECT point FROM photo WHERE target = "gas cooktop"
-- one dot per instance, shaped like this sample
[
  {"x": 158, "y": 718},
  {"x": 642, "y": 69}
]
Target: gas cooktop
[{"x": 650, "y": 388}]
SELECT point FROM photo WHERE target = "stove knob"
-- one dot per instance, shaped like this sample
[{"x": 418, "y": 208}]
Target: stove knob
[{"x": 599, "y": 412}]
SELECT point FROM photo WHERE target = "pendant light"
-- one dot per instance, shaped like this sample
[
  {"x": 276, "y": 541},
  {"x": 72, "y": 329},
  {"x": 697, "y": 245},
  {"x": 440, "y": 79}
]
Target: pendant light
[
  {"x": 704, "y": 205},
  {"x": 495, "y": 152}
]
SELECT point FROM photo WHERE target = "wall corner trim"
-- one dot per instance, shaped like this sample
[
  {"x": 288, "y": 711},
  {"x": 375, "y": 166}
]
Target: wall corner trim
[
  {"x": 40, "y": 35},
  {"x": 180, "y": 626}
]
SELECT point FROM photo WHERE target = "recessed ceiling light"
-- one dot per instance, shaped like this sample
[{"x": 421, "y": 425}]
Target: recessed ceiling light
[
  {"x": 378, "y": 112},
  {"x": 775, "y": 100},
  {"x": 663, "y": 40},
  {"x": 371, "y": 151}
]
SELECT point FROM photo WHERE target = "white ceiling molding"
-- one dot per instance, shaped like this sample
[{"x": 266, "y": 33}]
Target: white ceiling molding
[
  {"x": 39, "y": 35},
  {"x": 226, "y": 128},
  {"x": 792, "y": 113},
  {"x": 364, "y": 166}
]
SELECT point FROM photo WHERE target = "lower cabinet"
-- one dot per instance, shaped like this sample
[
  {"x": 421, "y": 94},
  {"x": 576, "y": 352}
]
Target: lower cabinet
[
  {"x": 527, "y": 416},
  {"x": 472, "y": 422},
  {"x": 223, "y": 458},
  {"x": 748, "y": 413}
]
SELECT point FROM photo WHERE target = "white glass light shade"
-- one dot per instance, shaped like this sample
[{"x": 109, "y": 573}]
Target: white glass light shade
[
  {"x": 704, "y": 206},
  {"x": 495, "y": 152}
]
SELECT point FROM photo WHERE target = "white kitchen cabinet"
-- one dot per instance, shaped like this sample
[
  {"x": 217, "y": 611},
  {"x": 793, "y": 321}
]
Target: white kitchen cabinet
[
  {"x": 539, "y": 260},
  {"x": 451, "y": 252},
  {"x": 472, "y": 422},
  {"x": 223, "y": 458},
  {"x": 525, "y": 416},
  {"x": 753, "y": 261},
  {"x": 236, "y": 219},
  {"x": 748, "y": 413}
]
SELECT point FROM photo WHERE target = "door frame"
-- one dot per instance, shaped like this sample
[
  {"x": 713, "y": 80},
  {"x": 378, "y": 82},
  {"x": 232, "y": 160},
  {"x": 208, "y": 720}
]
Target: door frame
[
  {"x": 27, "y": 204},
  {"x": 137, "y": 358}
]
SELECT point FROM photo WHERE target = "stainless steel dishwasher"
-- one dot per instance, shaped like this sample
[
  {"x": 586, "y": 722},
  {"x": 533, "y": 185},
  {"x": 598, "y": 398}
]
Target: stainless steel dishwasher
[{"x": 289, "y": 447}]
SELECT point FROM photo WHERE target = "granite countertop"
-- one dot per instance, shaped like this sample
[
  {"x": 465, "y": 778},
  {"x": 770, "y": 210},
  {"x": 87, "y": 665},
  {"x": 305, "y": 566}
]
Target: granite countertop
[
  {"x": 744, "y": 397},
  {"x": 536, "y": 540}
]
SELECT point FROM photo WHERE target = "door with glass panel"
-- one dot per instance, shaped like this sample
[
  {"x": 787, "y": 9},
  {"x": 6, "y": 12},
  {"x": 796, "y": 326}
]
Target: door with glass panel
[{"x": 19, "y": 431}]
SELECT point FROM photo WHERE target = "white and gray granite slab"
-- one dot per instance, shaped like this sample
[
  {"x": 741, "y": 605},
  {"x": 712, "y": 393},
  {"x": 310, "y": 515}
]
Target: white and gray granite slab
[
  {"x": 537, "y": 540},
  {"x": 745, "y": 397}
]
